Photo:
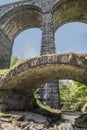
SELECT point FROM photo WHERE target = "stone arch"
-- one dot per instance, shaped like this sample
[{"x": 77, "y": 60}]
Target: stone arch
[
  {"x": 34, "y": 72},
  {"x": 15, "y": 21},
  {"x": 20, "y": 18},
  {"x": 69, "y": 11}
]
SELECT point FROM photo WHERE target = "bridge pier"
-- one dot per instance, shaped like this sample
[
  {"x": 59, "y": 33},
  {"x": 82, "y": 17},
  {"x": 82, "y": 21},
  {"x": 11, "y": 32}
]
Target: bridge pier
[
  {"x": 5, "y": 50},
  {"x": 48, "y": 41},
  {"x": 49, "y": 92}
]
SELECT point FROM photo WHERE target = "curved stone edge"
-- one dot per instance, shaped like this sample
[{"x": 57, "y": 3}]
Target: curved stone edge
[
  {"x": 60, "y": 60},
  {"x": 79, "y": 60}
]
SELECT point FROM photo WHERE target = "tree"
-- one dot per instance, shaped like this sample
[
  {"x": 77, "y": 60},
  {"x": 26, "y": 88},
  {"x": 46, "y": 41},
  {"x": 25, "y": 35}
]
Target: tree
[
  {"x": 73, "y": 95},
  {"x": 66, "y": 92}
]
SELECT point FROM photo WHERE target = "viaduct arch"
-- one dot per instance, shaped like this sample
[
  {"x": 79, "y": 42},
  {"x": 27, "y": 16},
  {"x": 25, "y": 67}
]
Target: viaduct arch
[
  {"x": 66, "y": 11},
  {"x": 47, "y": 15}
]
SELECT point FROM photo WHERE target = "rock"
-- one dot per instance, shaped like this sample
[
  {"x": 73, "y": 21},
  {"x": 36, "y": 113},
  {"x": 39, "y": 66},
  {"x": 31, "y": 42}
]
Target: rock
[
  {"x": 24, "y": 124},
  {"x": 76, "y": 128},
  {"x": 21, "y": 118},
  {"x": 18, "y": 124},
  {"x": 52, "y": 115},
  {"x": 39, "y": 127},
  {"x": 3, "y": 107},
  {"x": 36, "y": 117},
  {"x": 6, "y": 120},
  {"x": 65, "y": 126},
  {"x": 9, "y": 126},
  {"x": 32, "y": 121},
  {"x": 6, "y": 116},
  {"x": 55, "y": 127},
  {"x": 81, "y": 122}
]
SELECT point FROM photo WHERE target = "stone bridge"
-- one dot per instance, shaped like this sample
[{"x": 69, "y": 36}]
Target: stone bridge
[
  {"x": 26, "y": 77},
  {"x": 34, "y": 72},
  {"x": 48, "y": 15}
]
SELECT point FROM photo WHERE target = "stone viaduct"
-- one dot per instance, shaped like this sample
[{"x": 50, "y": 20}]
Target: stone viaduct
[{"x": 48, "y": 15}]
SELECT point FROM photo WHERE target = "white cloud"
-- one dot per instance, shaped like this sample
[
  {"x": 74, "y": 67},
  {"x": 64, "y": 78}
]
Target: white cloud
[{"x": 29, "y": 52}]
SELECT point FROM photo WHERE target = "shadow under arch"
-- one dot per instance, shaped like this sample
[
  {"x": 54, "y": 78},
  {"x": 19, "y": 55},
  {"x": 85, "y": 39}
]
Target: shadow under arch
[
  {"x": 20, "y": 18},
  {"x": 71, "y": 37},
  {"x": 69, "y": 11}
]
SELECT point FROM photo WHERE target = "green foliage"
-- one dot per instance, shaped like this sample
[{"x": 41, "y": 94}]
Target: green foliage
[
  {"x": 78, "y": 106},
  {"x": 73, "y": 95},
  {"x": 2, "y": 71},
  {"x": 84, "y": 108},
  {"x": 46, "y": 107},
  {"x": 14, "y": 60}
]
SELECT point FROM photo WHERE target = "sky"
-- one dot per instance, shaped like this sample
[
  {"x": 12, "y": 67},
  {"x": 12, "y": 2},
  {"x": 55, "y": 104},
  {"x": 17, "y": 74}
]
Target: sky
[
  {"x": 71, "y": 37},
  {"x": 3, "y": 2}
]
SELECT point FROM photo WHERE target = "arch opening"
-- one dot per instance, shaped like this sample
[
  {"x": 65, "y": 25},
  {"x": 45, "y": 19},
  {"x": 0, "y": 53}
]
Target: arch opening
[
  {"x": 27, "y": 44},
  {"x": 71, "y": 37},
  {"x": 18, "y": 19}
]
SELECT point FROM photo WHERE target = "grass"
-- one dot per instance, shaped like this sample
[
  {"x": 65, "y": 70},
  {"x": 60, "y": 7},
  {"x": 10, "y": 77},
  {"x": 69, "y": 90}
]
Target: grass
[{"x": 3, "y": 71}]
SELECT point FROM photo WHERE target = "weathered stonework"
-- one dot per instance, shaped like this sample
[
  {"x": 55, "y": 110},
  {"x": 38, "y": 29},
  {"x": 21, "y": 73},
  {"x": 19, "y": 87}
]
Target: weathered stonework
[
  {"x": 11, "y": 101},
  {"x": 46, "y": 68},
  {"x": 25, "y": 78},
  {"x": 48, "y": 15}
]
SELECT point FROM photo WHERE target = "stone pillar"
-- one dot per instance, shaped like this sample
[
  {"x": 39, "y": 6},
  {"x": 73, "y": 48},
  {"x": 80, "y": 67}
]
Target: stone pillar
[
  {"x": 48, "y": 42},
  {"x": 5, "y": 51},
  {"x": 49, "y": 92}
]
